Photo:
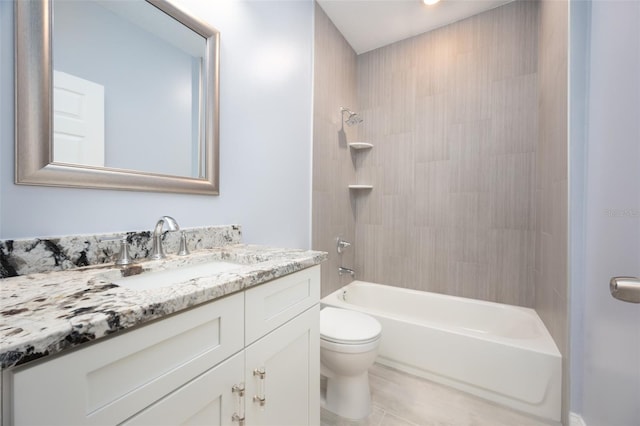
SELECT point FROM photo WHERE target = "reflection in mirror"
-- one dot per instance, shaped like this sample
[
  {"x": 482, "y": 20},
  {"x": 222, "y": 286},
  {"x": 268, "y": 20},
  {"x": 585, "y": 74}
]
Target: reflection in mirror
[
  {"x": 108, "y": 51},
  {"x": 130, "y": 96}
]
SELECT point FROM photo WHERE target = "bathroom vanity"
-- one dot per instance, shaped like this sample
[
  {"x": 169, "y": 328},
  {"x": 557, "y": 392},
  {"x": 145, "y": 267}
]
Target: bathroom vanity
[{"x": 240, "y": 346}]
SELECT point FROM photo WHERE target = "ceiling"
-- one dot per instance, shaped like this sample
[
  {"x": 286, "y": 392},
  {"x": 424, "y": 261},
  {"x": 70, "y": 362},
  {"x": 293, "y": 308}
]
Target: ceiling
[{"x": 369, "y": 24}]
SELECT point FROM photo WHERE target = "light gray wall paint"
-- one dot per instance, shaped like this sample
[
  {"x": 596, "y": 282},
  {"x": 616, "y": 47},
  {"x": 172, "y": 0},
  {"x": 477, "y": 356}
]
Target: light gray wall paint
[
  {"x": 6, "y": 102},
  {"x": 266, "y": 91},
  {"x": 579, "y": 15},
  {"x": 611, "y": 347}
]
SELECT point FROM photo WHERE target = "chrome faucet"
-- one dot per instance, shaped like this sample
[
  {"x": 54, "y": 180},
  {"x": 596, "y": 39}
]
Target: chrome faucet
[
  {"x": 342, "y": 271},
  {"x": 156, "y": 249},
  {"x": 341, "y": 245}
]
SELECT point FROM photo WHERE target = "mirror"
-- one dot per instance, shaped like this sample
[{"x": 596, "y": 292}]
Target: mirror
[{"x": 116, "y": 95}]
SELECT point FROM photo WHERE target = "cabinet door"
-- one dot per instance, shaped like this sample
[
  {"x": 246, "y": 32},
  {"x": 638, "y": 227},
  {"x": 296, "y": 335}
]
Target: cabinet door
[
  {"x": 110, "y": 381},
  {"x": 289, "y": 357},
  {"x": 207, "y": 400}
]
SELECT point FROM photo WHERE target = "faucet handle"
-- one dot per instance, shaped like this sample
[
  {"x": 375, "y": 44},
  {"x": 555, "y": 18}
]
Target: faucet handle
[
  {"x": 184, "y": 249},
  {"x": 123, "y": 257},
  {"x": 341, "y": 245}
]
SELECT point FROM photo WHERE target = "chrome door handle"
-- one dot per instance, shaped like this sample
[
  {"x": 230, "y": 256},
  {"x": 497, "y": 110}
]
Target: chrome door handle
[{"x": 625, "y": 288}]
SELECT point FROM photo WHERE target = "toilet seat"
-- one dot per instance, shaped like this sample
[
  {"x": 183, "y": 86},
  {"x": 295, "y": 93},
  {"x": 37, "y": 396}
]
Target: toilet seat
[
  {"x": 345, "y": 327},
  {"x": 349, "y": 348}
]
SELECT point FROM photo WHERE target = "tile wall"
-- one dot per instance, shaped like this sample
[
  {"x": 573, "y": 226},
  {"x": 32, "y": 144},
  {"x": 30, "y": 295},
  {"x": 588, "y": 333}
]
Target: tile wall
[
  {"x": 551, "y": 267},
  {"x": 335, "y": 73},
  {"x": 454, "y": 119}
]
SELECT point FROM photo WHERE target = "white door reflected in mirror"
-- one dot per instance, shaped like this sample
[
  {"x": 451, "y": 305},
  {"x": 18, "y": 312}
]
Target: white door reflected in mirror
[{"x": 78, "y": 120}]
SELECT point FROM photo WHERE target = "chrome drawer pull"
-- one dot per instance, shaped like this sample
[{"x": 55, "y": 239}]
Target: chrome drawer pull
[
  {"x": 261, "y": 397},
  {"x": 238, "y": 416}
]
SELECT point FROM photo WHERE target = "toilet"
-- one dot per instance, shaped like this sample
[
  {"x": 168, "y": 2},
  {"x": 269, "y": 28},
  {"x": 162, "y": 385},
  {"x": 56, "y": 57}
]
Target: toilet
[{"x": 349, "y": 343}]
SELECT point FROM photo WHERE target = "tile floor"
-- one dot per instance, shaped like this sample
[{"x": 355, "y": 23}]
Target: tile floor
[{"x": 400, "y": 399}]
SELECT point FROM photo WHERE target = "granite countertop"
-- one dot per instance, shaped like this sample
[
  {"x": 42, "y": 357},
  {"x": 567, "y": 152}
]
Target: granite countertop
[{"x": 45, "y": 313}]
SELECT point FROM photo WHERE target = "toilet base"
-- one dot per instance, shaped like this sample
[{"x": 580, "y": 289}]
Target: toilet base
[{"x": 349, "y": 396}]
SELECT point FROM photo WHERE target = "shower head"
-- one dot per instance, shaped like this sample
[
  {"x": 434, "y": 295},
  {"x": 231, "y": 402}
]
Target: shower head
[{"x": 352, "y": 117}]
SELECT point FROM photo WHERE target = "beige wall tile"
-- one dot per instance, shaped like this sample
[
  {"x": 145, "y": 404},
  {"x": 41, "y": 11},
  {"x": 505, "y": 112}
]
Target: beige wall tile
[
  {"x": 552, "y": 170},
  {"x": 431, "y": 143},
  {"x": 469, "y": 144},
  {"x": 512, "y": 191},
  {"x": 432, "y": 195},
  {"x": 333, "y": 209},
  {"x": 453, "y": 113},
  {"x": 551, "y": 263},
  {"x": 432, "y": 260},
  {"x": 514, "y": 127}
]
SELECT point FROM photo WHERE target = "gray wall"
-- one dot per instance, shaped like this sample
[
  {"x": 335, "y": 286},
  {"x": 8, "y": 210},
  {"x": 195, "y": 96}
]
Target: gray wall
[
  {"x": 552, "y": 171},
  {"x": 580, "y": 17},
  {"x": 265, "y": 152},
  {"x": 611, "y": 340},
  {"x": 333, "y": 166},
  {"x": 453, "y": 117},
  {"x": 6, "y": 102}
]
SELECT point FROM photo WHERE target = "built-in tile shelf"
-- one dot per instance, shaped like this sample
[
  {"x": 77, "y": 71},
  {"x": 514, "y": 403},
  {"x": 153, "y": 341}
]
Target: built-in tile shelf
[{"x": 360, "y": 145}]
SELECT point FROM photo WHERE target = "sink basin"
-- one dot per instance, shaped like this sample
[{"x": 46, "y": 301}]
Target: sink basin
[{"x": 169, "y": 277}]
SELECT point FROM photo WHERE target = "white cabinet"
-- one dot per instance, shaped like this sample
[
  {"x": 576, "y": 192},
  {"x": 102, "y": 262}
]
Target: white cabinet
[
  {"x": 182, "y": 370},
  {"x": 282, "y": 377},
  {"x": 283, "y": 374},
  {"x": 110, "y": 381},
  {"x": 207, "y": 400}
]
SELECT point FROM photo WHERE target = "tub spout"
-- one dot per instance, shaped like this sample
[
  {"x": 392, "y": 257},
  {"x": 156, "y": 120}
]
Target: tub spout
[{"x": 342, "y": 271}]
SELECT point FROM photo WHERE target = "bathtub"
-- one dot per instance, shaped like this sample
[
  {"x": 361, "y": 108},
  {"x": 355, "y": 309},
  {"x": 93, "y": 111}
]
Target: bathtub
[{"x": 498, "y": 352}]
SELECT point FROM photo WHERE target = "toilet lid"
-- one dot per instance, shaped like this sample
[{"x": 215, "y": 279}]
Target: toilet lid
[{"x": 348, "y": 327}]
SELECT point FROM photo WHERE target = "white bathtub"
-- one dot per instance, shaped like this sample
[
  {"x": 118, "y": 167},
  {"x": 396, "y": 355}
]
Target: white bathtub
[{"x": 499, "y": 352}]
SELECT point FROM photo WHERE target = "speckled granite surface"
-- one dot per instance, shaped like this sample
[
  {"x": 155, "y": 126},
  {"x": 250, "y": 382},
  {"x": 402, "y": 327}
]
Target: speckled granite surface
[
  {"x": 29, "y": 256},
  {"x": 44, "y": 313}
]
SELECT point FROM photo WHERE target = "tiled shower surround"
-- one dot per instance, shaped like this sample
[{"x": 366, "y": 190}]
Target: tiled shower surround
[
  {"x": 453, "y": 117},
  {"x": 335, "y": 84},
  {"x": 22, "y": 257},
  {"x": 469, "y": 163}
]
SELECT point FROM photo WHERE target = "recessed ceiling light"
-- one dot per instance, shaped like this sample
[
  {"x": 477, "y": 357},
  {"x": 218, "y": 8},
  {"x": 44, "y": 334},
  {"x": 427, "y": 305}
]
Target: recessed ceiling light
[{"x": 430, "y": 2}]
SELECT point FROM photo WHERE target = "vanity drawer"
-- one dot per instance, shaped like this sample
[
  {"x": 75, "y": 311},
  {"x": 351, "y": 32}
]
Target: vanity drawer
[
  {"x": 110, "y": 381},
  {"x": 270, "y": 305}
]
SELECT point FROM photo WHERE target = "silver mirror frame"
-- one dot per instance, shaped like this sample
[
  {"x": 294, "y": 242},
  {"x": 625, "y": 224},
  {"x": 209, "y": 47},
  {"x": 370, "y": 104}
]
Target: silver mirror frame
[{"x": 33, "y": 108}]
